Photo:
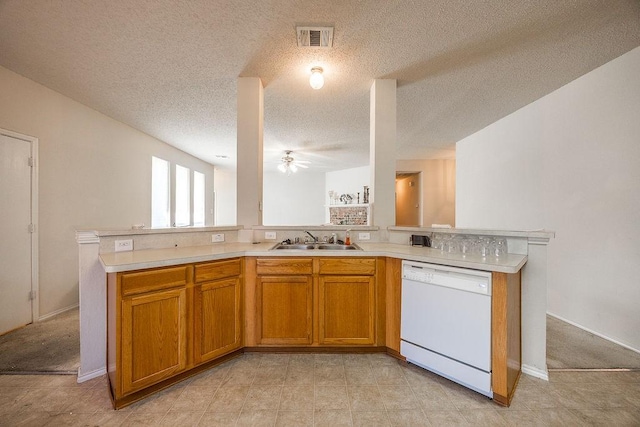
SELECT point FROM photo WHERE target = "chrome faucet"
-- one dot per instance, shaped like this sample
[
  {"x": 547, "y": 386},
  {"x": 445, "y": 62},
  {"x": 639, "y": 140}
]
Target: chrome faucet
[{"x": 315, "y": 239}]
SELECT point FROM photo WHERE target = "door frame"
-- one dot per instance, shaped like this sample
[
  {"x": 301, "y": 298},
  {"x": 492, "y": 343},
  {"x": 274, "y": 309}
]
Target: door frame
[
  {"x": 35, "y": 288},
  {"x": 421, "y": 193}
]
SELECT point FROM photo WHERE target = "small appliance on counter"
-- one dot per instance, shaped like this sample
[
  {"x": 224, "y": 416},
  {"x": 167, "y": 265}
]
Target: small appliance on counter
[{"x": 417, "y": 240}]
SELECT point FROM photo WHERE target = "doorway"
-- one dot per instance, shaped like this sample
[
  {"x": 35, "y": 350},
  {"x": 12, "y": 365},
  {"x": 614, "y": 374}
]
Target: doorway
[
  {"x": 408, "y": 199},
  {"x": 18, "y": 246}
]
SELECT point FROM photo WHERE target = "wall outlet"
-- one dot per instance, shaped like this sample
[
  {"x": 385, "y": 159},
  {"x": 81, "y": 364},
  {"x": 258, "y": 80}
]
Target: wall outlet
[
  {"x": 270, "y": 235},
  {"x": 215, "y": 238},
  {"x": 124, "y": 245},
  {"x": 364, "y": 236}
]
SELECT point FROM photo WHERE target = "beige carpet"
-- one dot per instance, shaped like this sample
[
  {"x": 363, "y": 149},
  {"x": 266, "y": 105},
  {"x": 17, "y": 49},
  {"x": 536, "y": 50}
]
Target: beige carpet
[
  {"x": 569, "y": 347},
  {"x": 51, "y": 346}
]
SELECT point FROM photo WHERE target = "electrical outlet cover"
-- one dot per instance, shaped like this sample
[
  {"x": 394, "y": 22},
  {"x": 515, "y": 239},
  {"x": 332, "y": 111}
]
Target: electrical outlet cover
[
  {"x": 270, "y": 235},
  {"x": 215, "y": 238},
  {"x": 364, "y": 236},
  {"x": 124, "y": 245}
]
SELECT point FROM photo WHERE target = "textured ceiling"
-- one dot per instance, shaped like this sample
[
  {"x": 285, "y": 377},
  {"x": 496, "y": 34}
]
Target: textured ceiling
[{"x": 169, "y": 68}]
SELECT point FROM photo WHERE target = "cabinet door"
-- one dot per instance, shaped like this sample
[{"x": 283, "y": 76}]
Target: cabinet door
[
  {"x": 346, "y": 310},
  {"x": 217, "y": 328},
  {"x": 284, "y": 310},
  {"x": 154, "y": 337}
]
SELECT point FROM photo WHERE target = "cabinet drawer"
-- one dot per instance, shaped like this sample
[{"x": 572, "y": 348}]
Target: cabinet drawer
[
  {"x": 153, "y": 280},
  {"x": 361, "y": 266},
  {"x": 217, "y": 270},
  {"x": 284, "y": 266}
]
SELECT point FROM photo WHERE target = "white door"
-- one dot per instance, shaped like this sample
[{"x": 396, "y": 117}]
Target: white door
[{"x": 15, "y": 236}]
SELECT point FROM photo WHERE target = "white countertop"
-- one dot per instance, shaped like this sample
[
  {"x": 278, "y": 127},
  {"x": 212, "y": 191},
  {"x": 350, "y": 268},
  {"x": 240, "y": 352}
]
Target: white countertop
[{"x": 151, "y": 258}]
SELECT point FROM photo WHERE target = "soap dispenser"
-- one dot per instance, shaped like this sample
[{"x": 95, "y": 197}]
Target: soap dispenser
[{"x": 347, "y": 238}]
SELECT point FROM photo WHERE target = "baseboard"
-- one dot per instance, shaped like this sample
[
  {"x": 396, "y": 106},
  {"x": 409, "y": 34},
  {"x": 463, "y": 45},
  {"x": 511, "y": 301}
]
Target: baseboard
[
  {"x": 535, "y": 372},
  {"x": 318, "y": 349},
  {"x": 55, "y": 313},
  {"x": 594, "y": 333},
  {"x": 91, "y": 375}
]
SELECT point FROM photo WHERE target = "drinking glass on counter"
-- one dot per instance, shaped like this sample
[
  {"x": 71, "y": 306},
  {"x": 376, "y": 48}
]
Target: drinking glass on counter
[
  {"x": 484, "y": 246},
  {"x": 437, "y": 242},
  {"x": 500, "y": 247},
  {"x": 466, "y": 246},
  {"x": 451, "y": 245}
]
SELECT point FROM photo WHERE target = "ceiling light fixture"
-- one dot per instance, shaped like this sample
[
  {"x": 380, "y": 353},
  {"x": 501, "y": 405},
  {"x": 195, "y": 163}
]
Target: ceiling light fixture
[
  {"x": 316, "y": 80},
  {"x": 289, "y": 165},
  {"x": 287, "y": 168}
]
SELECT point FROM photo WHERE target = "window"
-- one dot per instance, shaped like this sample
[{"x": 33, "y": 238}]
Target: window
[
  {"x": 160, "y": 193},
  {"x": 198, "y": 199},
  {"x": 172, "y": 195},
  {"x": 183, "y": 196}
]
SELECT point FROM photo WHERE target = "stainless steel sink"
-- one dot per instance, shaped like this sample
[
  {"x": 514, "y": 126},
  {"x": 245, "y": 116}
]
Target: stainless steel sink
[
  {"x": 293, "y": 246},
  {"x": 320, "y": 246},
  {"x": 330, "y": 247}
]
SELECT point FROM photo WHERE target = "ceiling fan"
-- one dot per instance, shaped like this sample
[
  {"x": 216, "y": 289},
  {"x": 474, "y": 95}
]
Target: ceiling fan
[{"x": 290, "y": 165}]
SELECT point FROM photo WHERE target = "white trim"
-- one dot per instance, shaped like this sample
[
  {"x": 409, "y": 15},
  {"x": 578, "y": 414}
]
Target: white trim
[
  {"x": 538, "y": 234},
  {"x": 594, "y": 333},
  {"x": 544, "y": 241},
  {"x": 174, "y": 230},
  {"x": 35, "y": 284},
  {"x": 535, "y": 372},
  {"x": 91, "y": 375},
  {"x": 55, "y": 313},
  {"x": 87, "y": 237}
]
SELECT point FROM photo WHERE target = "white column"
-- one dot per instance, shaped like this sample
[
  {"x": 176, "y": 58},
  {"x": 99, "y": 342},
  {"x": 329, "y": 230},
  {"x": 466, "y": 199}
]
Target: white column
[
  {"x": 382, "y": 152},
  {"x": 534, "y": 310},
  {"x": 250, "y": 134},
  {"x": 93, "y": 308}
]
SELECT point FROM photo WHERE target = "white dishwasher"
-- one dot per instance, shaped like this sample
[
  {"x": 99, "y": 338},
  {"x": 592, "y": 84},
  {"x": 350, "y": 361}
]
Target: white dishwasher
[{"x": 446, "y": 322}]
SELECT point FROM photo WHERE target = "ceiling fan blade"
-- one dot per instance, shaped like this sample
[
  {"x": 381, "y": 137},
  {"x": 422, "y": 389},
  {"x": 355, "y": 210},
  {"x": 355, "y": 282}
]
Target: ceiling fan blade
[{"x": 301, "y": 166}]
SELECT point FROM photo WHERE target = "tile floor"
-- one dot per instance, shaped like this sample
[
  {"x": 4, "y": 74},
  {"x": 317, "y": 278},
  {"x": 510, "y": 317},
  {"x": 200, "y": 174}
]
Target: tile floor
[{"x": 324, "y": 390}]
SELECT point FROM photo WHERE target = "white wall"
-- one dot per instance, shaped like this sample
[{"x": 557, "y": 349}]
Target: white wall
[
  {"x": 569, "y": 162},
  {"x": 438, "y": 189},
  {"x": 225, "y": 186},
  {"x": 297, "y": 199},
  {"x": 95, "y": 172}
]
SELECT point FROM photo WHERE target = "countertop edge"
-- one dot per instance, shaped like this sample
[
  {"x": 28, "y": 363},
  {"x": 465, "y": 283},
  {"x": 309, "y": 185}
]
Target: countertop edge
[
  {"x": 127, "y": 261},
  {"x": 539, "y": 234}
]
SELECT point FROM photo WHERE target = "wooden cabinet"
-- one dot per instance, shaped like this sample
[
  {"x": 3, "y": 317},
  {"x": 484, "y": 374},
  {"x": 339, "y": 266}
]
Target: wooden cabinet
[
  {"x": 346, "y": 310},
  {"x": 284, "y": 301},
  {"x": 347, "y": 301},
  {"x": 314, "y": 301},
  {"x": 347, "y": 266},
  {"x": 154, "y": 337},
  {"x": 284, "y": 312},
  {"x": 166, "y": 324},
  {"x": 217, "y": 310},
  {"x": 506, "y": 349},
  {"x": 393, "y": 295},
  {"x": 162, "y": 324},
  {"x": 151, "y": 341}
]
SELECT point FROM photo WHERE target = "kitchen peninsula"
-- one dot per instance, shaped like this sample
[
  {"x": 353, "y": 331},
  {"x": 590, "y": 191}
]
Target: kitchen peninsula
[{"x": 249, "y": 276}]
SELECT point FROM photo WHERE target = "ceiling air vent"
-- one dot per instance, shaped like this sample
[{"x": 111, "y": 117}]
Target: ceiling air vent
[{"x": 315, "y": 36}]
